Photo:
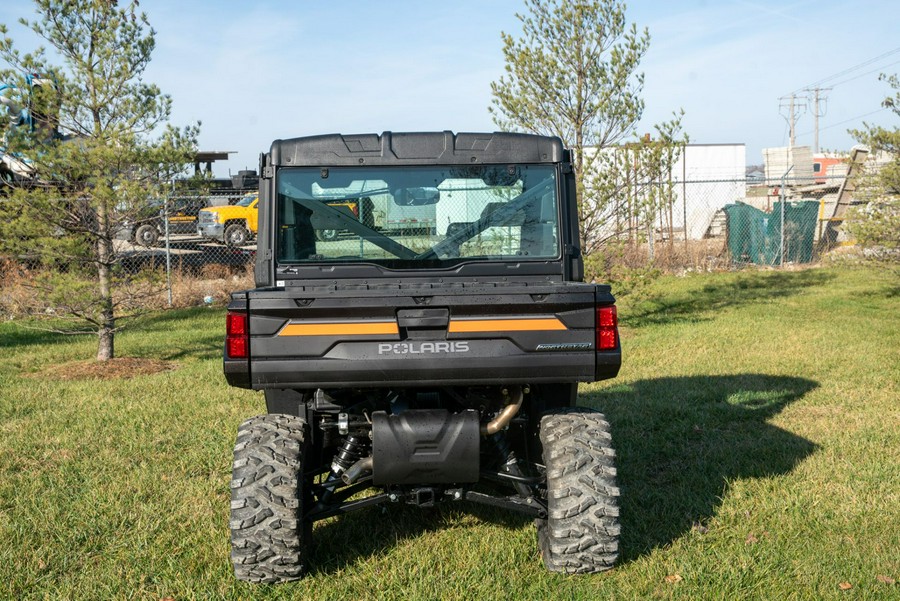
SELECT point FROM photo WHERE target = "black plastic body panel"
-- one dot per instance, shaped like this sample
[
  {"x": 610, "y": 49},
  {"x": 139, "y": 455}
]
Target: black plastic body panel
[
  {"x": 416, "y": 148},
  {"x": 304, "y": 337}
]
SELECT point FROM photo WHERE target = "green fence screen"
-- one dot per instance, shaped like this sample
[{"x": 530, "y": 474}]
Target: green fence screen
[{"x": 754, "y": 236}]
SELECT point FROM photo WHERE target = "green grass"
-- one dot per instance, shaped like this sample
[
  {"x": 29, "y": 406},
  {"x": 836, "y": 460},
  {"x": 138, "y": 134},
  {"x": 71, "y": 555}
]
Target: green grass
[{"x": 756, "y": 420}]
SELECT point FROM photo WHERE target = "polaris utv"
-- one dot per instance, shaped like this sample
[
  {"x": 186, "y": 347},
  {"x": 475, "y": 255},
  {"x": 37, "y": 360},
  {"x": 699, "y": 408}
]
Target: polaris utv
[{"x": 420, "y": 366}]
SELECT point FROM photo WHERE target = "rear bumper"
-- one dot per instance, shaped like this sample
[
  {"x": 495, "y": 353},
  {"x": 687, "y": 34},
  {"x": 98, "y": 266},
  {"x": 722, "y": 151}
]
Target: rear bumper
[
  {"x": 533, "y": 368},
  {"x": 363, "y": 336}
]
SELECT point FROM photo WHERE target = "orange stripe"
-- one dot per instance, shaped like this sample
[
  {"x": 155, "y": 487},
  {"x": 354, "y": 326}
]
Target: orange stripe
[
  {"x": 505, "y": 325},
  {"x": 367, "y": 328}
]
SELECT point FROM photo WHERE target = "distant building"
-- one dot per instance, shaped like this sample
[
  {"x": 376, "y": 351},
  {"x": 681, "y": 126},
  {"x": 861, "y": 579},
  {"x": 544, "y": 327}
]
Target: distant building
[
  {"x": 713, "y": 176},
  {"x": 705, "y": 178},
  {"x": 829, "y": 166},
  {"x": 805, "y": 166},
  {"x": 793, "y": 163}
]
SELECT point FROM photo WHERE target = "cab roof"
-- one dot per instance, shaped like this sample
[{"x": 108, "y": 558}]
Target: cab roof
[{"x": 416, "y": 148}]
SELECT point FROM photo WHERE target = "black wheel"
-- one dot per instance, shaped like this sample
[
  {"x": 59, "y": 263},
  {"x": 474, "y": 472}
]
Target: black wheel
[
  {"x": 236, "y": 235},
  {"x": 327, "y": 235},
  {"x": 146, "y": 235},
  {"x": 581, "y": 532},
  {"x": 269, "y": 537}
]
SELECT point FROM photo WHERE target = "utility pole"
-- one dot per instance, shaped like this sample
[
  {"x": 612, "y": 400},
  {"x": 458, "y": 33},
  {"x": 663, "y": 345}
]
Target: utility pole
[
  {"x": 792, "y": 107},
  {"x": 793, "y": 124},
  {"x": 817, "y": 114}
]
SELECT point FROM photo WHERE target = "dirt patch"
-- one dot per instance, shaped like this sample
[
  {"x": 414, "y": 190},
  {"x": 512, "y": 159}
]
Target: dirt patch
[{"x": 114, "y": 369}]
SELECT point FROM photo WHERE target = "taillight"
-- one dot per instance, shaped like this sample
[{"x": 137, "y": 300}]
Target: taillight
[
  {"x": 237, "y": 336},
  {"x": 607, "y": 332}
]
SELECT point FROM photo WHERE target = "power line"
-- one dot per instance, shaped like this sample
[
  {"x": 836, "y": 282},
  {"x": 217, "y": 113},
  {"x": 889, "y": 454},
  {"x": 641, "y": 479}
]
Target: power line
[
  {"x": 847, "y": 120},
  {"x": 817, "y": 90},
  {"x": 864, "y": 74},
  {"x": 848, "y": 70},
  {"x": 817, "y": 96}
]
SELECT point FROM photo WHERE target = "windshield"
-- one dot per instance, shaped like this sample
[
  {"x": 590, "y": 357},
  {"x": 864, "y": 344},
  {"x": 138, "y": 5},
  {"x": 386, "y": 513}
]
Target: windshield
[
  {"x": 246, "y": 201},
  {"x": 417, "y": 217}
]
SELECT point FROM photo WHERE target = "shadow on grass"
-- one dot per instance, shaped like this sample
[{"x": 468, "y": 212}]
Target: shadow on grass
[
  {"x": 206, "y": 349},
  {"x": 17, "y": 334},
  {"x": 723, "y": 292},
  {"x": 681, "y": 441},
  {"x": 168, "y": 317},
  {"x": 188, "y": 332},
  {"x": 49, "y": 332},
  {"x": 341, "y": 542}
]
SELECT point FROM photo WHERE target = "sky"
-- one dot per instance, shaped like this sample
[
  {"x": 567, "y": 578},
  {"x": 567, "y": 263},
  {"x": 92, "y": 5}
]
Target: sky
[{"x": 253, "y": 72}]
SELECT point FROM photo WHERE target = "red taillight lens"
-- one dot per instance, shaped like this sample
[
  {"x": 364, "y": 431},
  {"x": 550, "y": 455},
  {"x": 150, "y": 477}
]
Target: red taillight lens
[
  {"x": 237, "y": 336},
  {"x": 237, "y": 347},
  {"x": 236, "y": 324},
  {"x": 607, "y": 332}
]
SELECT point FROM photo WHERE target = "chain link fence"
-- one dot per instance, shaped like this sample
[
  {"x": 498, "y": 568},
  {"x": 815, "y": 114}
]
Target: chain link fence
[
  {"x": 700, "y": 224},
  {"x": 709, "y": 224},
  {"x": 204, "y": 244},
  {"x": 203, "y": 247}
]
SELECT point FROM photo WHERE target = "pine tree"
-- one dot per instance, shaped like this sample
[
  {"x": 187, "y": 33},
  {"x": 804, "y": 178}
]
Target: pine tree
[{"x": 93, "y": 146}]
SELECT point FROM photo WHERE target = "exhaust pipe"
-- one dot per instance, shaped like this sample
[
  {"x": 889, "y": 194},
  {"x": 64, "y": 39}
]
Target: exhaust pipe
[
  {"x": 356, "y": 470},
  {"x": 506, "y": 415}
]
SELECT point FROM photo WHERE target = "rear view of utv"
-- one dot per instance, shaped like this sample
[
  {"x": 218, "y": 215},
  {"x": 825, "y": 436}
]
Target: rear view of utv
[{"x": 437, "y": 362}]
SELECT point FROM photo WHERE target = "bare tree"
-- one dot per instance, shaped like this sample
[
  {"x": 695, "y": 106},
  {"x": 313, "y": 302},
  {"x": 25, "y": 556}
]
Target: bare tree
[{"x": 573, "y": 73}]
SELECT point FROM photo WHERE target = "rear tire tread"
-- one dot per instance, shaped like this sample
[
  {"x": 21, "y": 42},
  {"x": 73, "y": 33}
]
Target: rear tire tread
[
  {"x": 581, "y": 532},
  {"x": 268, "y": 537}
]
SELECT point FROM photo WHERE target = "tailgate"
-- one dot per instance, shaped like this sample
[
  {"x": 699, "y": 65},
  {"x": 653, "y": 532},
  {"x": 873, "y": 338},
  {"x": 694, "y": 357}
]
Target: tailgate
[{"x": 425, "y": 335}]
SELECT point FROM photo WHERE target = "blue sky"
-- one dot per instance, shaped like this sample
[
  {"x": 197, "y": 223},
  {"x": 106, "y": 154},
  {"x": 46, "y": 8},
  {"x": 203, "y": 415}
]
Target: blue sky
[{"x": 256, "y": 71}]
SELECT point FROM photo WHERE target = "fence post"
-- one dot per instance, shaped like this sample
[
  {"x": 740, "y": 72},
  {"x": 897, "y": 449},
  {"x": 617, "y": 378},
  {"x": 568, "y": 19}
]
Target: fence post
[
  {"x": 653, "y": 200},
  {"x": 684, "y": 201},
  {"x": 168, "y": 248},
  {"x": 782, "y": 195}
]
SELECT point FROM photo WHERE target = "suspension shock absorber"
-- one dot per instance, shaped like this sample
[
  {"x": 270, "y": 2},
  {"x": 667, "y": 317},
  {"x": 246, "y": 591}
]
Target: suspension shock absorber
[{"x": 352, "y": 450}]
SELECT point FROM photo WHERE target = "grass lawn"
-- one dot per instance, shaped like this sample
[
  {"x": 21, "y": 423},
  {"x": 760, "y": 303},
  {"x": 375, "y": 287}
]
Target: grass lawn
[{"x": 756, "y": 420}]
